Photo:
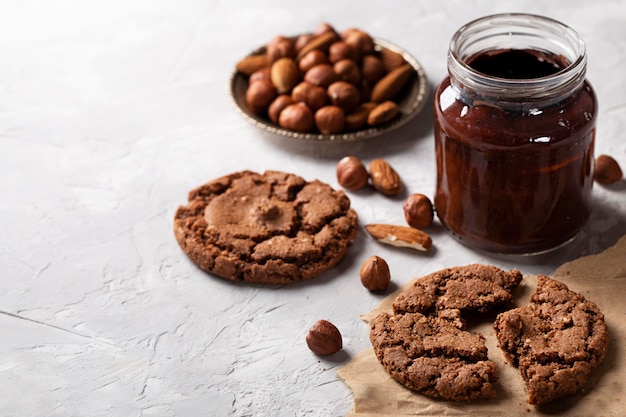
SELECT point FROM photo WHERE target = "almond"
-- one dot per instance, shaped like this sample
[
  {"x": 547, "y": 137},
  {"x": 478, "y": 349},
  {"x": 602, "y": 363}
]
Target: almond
[
  {"x": 391, "y": 59},
  {"x": 384, "y": 178},
  {"x": 321, "y": 42},
  {"x": 383, "y": 113},
  {"x": 388, "y": 87},
  {"x": 252, "y": 63},
  {"x": 284, "y": 75},
  {"x": 401, "y": 236}
]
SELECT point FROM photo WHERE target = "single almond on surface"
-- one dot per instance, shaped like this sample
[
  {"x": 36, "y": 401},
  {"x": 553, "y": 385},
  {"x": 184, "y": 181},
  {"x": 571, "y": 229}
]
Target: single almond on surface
[
  {"x": 388, "y": 87},
  {"x": 252, "y": 63},
  {"x": 401, "y": 236},
  {"x": 384, "y": 178}
]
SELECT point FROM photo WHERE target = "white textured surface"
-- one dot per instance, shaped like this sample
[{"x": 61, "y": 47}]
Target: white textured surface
[{"x": 110, "y": 111}]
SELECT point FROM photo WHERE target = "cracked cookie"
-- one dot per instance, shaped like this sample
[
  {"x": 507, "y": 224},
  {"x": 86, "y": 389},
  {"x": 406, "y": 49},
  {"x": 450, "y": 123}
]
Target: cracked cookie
[
  {"x": 431, "y": 355},
  {"x": 424, "y": 344},
  {"x": 269, "y": 228},
  {"x": 556, "y": 341}
]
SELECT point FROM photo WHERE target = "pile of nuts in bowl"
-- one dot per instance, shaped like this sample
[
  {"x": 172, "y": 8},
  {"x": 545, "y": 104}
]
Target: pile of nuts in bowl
[{"x": 325, "y": 81}]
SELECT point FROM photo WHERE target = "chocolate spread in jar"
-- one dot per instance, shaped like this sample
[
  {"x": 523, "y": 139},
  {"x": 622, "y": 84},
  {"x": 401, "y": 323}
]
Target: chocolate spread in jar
[{"x": 514, "y": 179}]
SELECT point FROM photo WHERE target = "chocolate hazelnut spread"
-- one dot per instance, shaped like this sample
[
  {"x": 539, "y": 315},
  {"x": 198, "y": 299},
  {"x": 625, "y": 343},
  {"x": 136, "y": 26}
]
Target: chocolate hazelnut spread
[{"x": 514, "y": 168}]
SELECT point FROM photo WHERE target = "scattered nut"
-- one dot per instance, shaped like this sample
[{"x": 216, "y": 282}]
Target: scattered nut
[
  {"x": 401, "y": 236},
  {"x": 324, "y": 338},
  {"x": 418, "y": 211},
  {"x": 374, "y": 274},
  {"x": 384, "y": 178},
  {"x": 607, "y": 170},
  {"x": 351, "y": 173}
]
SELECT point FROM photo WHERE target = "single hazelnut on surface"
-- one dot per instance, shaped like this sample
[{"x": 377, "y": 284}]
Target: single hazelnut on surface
[
  {"x": 607, "y": 170},
  {"x": 330, "y": 119},
  {"x": 418, "y": 211},
  {"x": 298, "y": 117},
  {"x": 351, "y": 173},
  {"x": 259, "y": 95},
  {"x": 374, "y": 273},
  {"x": 324, "y": 338}
]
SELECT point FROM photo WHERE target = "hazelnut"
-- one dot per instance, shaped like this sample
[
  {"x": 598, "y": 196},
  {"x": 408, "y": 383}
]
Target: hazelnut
[
  {"x": 322, "y": 75},
  {"x": 348, "y": 71},
  {"x": 330, "y": 119},
  {"x": 311, "y": 59},
  {"x": 259, "y": 95},
  {"x": 277, "y": 106},
  {"x": 324, "y": 338},
  {"x": 341, "y": 50},
  {"x": 351, "y": 173},
  {"x": 374, "y": 273},
  {"x": 607, "y": 171},
  {"x": 280, "y": 47},
  {"x": 372, "y": 69},
  {"x": 344, "y": 95},
  {"x": 418, "y": 211},
  {"x": 312, "y": 95},
  {"x": 262, "y": 74},
  {"x": 360, "y": 41},
  {"x": 325, "y": 27},
  {"x": 297, "y": 116}
]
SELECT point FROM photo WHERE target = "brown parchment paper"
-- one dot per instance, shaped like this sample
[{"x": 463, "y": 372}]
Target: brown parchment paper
[{"x": 600, "y": 278}]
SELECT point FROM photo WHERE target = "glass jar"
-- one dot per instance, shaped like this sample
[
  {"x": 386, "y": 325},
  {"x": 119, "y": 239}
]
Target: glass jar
[{"x": 514, "y": 135}]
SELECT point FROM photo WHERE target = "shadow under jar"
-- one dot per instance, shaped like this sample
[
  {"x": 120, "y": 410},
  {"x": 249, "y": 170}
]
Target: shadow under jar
[{"x": 514, "y": 135}]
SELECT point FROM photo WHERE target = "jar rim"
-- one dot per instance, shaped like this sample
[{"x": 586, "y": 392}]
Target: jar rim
[{"x": 518, "y": 31}]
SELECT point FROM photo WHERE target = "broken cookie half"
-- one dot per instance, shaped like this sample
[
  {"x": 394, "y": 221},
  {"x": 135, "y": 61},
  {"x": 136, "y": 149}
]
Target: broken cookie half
[{"x": 556, "y": 341}]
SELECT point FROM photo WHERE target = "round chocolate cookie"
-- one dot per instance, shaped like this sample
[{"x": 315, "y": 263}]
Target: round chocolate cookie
[
  {"x": 556, "y": 341},
  {"x": 424, "y": 344},
  {"x": 270, "y": 228}
]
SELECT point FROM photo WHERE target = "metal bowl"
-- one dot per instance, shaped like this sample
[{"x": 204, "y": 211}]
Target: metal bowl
[{"x": 410, "y": 102}]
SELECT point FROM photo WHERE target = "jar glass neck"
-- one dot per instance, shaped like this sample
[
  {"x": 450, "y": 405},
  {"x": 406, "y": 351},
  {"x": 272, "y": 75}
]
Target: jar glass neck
[{"x": 516, "y": 31}]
